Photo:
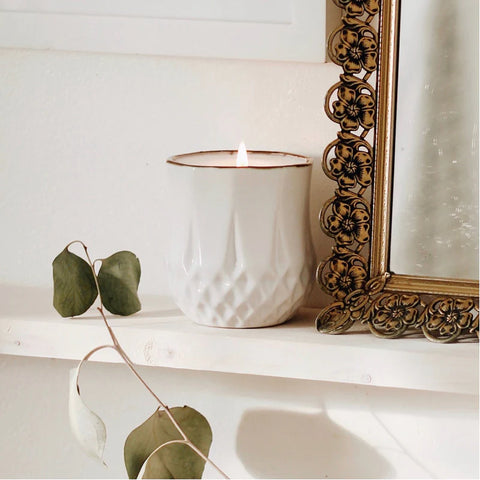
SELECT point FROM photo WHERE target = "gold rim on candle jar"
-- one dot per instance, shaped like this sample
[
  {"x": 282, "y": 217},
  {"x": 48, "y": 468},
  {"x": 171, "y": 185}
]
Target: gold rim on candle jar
[{"x": 230, "y": 155}]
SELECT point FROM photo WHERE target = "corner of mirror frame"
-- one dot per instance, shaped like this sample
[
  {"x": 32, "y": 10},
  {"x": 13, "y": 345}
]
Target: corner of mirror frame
[{"x": 358, "y": 215}]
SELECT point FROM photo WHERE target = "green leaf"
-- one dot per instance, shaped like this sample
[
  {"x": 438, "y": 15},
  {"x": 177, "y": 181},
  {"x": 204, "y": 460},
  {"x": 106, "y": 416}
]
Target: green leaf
[
  {"x": 74, "y": 289},
  {"x": 118, "y": 279},
  {"x": 154, "y": 467},
  {"x": 172, "y": 461}
]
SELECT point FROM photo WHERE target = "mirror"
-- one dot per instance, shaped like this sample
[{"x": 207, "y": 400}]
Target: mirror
[
  {"x": 435, "y": 176},
  {"x": 404, "y": 216}
]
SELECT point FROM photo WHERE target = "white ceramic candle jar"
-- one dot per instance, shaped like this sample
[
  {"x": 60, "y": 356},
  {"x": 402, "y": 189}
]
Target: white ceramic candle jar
[{"x": 240, "y": 252}]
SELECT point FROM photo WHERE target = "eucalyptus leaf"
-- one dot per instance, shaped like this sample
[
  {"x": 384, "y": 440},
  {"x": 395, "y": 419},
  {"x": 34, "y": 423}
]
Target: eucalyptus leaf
[
  {"x": 171, "y": 461},
  {"x": 87, "y": 427},
  {"x": 153, "y": 467},
  {"x": 118, "y": 279},
  {"x": 74, "y": 289},
  {"x": 156, "y": 467}
]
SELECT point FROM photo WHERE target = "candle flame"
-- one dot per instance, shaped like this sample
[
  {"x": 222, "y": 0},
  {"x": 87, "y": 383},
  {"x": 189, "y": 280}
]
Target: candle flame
[{"x": 242, "y": 158}]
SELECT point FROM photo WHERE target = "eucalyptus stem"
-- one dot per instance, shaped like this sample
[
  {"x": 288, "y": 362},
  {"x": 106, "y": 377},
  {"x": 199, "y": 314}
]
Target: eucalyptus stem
[{"x": 116, "y": 346}]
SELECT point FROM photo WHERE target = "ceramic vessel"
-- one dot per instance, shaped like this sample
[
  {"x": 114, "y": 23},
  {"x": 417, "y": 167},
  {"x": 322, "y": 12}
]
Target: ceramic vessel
[{"x": 240, "y": 252}]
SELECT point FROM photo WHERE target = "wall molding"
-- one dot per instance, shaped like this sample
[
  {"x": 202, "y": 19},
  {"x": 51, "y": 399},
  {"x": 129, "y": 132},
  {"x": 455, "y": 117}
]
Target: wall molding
[{"x": 280, "y": 30}]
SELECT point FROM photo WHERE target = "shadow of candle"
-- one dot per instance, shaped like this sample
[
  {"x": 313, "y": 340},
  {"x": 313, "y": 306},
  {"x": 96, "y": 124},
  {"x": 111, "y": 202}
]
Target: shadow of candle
[{"x": 285, "y": 444}]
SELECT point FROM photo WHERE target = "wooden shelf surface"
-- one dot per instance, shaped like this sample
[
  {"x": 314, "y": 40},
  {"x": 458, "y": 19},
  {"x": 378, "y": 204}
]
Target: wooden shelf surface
[{"x": 160, "y": 335}]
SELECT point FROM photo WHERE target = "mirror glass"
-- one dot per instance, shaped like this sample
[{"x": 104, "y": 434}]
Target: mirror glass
[{"x": 435, "y": 180}]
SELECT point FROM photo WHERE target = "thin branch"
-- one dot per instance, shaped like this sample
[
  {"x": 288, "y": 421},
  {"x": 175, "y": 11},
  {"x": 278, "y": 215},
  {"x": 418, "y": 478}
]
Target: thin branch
[
  {"x": 88, "y": 355},
  {"x": 201, "y": 454},
  {"x": 132, "y": 368},
  {"x": 95, "y": 350},
  {"x": 129, "y": 363}
]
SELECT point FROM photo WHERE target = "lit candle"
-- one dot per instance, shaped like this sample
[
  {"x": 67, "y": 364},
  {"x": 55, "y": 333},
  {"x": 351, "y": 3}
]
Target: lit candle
[
  {"x": 240, "y": 252},
  {"x": 242, "y": 157}
]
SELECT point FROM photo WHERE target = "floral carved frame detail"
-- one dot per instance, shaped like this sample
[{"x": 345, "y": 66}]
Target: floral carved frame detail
[{"x": 357, "y": 217}]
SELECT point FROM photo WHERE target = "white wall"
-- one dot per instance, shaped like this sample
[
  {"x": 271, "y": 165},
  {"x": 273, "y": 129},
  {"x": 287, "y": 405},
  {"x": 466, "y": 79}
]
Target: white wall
[
  {"x": 83, "y": 142},
  {"x": 263, "y": 427},
  {"x": 84, "y": 139}
]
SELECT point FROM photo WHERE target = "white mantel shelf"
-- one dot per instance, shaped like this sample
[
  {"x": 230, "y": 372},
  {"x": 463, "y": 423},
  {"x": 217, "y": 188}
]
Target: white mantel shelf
[{"x": 160, "y": 335}]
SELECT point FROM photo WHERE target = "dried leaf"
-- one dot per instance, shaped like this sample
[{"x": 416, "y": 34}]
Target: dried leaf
[
  {"x": 74, "y": 289},
  {"x": 88, "y": 428},
  {"x": 153, "y": 467},
  {"x": 118, "y": 278},
  {"x": 171, "y": 461}
]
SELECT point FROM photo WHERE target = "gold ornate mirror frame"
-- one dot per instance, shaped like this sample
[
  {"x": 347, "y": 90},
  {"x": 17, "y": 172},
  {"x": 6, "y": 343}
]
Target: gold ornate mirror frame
[{"x": 357, "y": 217}]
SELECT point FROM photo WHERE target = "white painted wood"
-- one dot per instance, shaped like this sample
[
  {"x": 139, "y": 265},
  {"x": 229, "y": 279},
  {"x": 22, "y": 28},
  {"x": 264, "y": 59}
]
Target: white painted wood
[
  {"x": 263, "y": 427},
  {"x": 161, "y": 336},
  {"x": 276, "y": 11},
  {"x": 291, "y": 30}
]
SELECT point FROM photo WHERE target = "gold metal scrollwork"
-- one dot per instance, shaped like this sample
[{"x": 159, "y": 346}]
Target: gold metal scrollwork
[{"x": 349, "y": 160}]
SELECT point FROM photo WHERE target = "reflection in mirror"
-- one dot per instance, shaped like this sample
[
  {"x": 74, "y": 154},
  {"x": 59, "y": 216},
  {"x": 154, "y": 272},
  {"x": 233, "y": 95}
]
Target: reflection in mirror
[{"x": 435, "y": 185}]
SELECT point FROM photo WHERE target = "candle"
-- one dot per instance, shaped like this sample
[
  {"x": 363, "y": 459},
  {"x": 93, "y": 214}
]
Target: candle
[{"x": 239, "y": 252}]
